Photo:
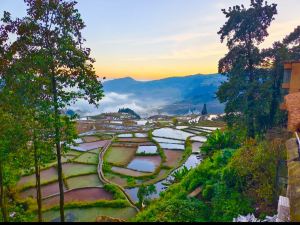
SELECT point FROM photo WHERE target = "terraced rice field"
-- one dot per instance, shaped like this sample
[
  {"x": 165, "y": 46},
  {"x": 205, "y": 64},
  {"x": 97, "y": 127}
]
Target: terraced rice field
[
  {"x": 167, "y": 140},
  {"x": 90, "y": 138},
  {"x": 116, "y": 179},
  {"x": 128, "y": 172},
  {"x": 47, "y": 175},
  {"x": 172, "y": 146},
  {"x": 120, "y": 156},
  {"x": 171, "y": 133},
  {"x": 198, "y": 139},
  {"x": 144, "y": 163},
  {"x": 91, "y": 180},
  {"x": 80, "y": 195},
  {"x": 73, "y": 153},
  {"x": 90, "y": 146},
  {"x": 89, "y": 158},
  {"x": 133, "y": 140},
  {"x": 196, "y": 147},
  {"x": 47, "y": 190},
  {"x": 95, "y": 151},
  {"x": 173, "y": 157},
  {"x": 125, "y": 135},
  {"x": 90, "y": 214},
  {"x": 147, "y": 149},
  {"x": 74, "y": 169},
  {"x": 141, "y": 135}
]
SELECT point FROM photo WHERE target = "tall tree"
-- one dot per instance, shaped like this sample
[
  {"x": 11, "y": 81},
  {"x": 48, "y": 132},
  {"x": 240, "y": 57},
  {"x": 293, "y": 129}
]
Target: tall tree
[
  {"x": 244, "y": 30},
  {"x": 52, "y": 29},
  {"x": 204, "y": 110}
]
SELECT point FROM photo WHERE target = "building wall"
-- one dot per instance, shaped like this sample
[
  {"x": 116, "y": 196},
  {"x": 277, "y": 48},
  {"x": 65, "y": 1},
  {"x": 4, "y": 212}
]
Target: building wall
[
  {"x": 294, "y": 84},
  {"x": 295, "y": 78}
]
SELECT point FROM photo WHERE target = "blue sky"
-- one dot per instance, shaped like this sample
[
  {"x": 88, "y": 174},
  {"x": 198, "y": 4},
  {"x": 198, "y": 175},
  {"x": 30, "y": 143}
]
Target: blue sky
[{"x": 150, "y": 39}]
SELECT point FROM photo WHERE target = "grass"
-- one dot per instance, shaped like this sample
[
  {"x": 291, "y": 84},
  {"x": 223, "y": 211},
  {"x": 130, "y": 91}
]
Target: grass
[
  {"x": 75, "y": 169},
  {"x": 95, "y": 151},
  {"x": 91, "y": 180},
  {"x": 89, "y": 158},
  {"x": 90, "y": 214},
  {"x": 214, "y": 123},
  {"x": 119, "y": 156}
]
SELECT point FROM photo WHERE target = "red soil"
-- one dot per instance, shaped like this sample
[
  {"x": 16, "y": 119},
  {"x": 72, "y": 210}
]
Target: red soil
[
  {"x": 136, "y": 140},
  {"x": 81, "y": 195},
  {"x": 173, "y": 157},
  {"x": 90, "y": 138},
  {"x": 47, "y": 190},
  {"x": 46, "y": 175}
]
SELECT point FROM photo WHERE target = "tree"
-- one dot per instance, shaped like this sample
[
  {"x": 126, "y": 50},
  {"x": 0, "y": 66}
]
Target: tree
[
  {"x": 204, "y": 110},
  {"x": 219, "y": 140},
  {"x": 244, "y": 30},
  {"x": 175, "y": 121},
  {"x": 144, "y": 192},
  {"x": 52, "y": 30}
]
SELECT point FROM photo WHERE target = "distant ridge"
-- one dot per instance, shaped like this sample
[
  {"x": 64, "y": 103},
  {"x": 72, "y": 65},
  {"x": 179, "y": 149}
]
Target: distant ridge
[{"x": 180, "y": 94}]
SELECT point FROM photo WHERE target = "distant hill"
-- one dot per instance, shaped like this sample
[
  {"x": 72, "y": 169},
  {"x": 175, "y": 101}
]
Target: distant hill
[{"x": 179, "y": 95}]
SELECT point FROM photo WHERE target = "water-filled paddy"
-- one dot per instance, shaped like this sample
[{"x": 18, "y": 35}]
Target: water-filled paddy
[
  {"x": 90, "y": 146},
  {"x": 125, "y": 135},
  {"x": 47, "y": 190},
  {"x": 199, "y": 139},
  {"x": 191, "y": 162},
  {"x": 91, "y": 180},
  {"x": 89, "y": 214},
  {"x": 196, "y": 147},
  {"x": 80, "y": 195},
  {"x": 73, "y": 169},
  {"x": 167, "y": 140},
  {"x": 47, "y": 175},
  {"x": 144, "y": 163},
  {"x": 120, "y": 156},
  {"x": 171, "y": 133},
  {"x": 128, "y": 172},
  {"x": 172, "y": 146},
  {"x": 147, "y": 150},
  {"x": 89, "y": 158},
  {"x": 140, "y": 135}
]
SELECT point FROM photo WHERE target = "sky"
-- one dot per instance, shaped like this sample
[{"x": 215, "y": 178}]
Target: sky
[{"x": 154, "y": 39}]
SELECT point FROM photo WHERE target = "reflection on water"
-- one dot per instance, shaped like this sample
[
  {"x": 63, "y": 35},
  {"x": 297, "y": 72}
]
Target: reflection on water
[
  {"x": 142, "y": 165},
  {"x": 191, "y": 162}
]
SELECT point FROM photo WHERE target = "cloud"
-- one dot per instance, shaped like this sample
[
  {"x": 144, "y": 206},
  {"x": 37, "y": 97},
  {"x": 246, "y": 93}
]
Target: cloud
[{"x": 112, "y": 102}]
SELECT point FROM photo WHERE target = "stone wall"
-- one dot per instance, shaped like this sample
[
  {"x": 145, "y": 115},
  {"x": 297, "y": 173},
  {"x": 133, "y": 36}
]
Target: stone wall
[
  {"x": 293, "y": 190},
  {"x": 292, "y": 102}
]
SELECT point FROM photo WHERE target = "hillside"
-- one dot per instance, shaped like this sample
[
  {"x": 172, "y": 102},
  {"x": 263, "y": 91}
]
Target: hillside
[{"x": 177, "y": 95}]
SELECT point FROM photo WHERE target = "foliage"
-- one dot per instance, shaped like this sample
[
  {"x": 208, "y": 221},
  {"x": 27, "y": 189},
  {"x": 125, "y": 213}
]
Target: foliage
[
  {"x": 220, "y": 140},
  {"x": 244, "y": 92},
  {"x": 204, "y": 110},
  {"x": 144, "y": 192},
  {"x": 175, "y": 121},
  {"x": 253, "y": 171},
  {"x": 115, "y": 191},
  {"x": 179, "y": 174}
]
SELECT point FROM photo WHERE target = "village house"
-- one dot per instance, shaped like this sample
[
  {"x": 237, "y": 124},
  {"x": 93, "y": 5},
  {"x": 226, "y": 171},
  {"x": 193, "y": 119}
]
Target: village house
[{"x": 290, "y": 210}]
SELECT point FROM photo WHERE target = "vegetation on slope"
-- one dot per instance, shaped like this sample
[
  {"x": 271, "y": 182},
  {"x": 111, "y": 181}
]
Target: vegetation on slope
[{"x": 235, "y": 181}]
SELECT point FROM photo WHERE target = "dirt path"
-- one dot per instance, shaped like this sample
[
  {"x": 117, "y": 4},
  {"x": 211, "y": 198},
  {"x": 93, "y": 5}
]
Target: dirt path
[{"x": 105, "y": 181}]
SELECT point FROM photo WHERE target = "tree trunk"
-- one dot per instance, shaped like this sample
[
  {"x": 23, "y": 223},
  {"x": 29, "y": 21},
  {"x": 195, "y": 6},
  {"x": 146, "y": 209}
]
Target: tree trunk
[
  {"x": 58, "y": 147},
  {"x": 276, "y": 88},
  {"x": 250, "y": 97},
  {"x": 2, "y": 196},
  {"x": 38, "y": 182}
]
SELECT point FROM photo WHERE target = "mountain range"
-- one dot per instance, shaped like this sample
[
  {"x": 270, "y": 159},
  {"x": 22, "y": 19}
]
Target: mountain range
[{"x": 174, "y": 95}]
